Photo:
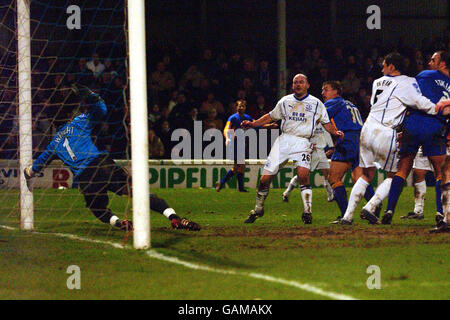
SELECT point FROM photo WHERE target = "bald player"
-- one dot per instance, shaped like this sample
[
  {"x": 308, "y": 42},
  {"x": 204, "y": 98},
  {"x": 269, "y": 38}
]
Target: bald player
[{"x": 299, "y": 113}]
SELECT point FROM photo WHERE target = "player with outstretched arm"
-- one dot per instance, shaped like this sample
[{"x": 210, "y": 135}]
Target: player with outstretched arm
[
  {"x": 95, "y": 173},
  {"x": 300, "y": 113}
]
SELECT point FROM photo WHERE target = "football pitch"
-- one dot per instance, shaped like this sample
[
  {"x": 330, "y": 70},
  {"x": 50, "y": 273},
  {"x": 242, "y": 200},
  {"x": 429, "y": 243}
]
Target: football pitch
[{"x": 277, "y": 257}]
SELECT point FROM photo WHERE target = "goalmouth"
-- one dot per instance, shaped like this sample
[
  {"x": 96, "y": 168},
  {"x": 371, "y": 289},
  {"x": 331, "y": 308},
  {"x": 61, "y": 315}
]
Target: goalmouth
[{"x": 138, "y": 113}]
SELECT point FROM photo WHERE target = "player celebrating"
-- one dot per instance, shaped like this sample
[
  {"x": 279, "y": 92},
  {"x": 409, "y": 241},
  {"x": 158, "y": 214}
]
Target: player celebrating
[
  {"x": 95, "y": 173},
  {"x": 420, "y": 129},
  {"x": 320, "y": 140},
  {"x": 347, "y": 118},
  {"x": 234, "y": 123},
  {"x": 300, "y": 113},
  {"x": 391, "y": 94}
]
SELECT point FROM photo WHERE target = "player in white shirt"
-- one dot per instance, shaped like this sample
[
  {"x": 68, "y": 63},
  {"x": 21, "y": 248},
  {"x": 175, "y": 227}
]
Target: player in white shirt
[
  {"x": 300, "y": 114},
  {"x": 319, "y": 161},
  {"x": 391, "y": 94}
]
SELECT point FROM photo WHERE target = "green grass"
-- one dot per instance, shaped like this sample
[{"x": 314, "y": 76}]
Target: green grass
[{"x": 413, "y": 263}]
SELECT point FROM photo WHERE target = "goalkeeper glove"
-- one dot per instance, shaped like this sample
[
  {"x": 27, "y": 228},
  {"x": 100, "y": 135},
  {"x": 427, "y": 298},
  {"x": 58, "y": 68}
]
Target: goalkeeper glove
[
  {"x": 29, "y": 174},
  {"x": 85, "y": 94}
]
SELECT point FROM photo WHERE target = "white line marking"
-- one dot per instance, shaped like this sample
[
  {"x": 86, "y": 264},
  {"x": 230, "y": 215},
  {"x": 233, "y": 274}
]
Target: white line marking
[{"x": 156, "y": 255}]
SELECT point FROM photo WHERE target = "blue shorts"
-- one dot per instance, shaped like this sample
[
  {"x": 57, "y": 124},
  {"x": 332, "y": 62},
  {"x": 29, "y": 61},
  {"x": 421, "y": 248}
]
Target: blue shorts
[
  {"x": 428, "y": 133},
  {"x": 347, "y": 150}
]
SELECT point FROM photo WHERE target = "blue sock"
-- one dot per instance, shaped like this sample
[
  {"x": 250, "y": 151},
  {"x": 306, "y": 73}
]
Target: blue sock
[
  {"x": 394, "y": 192},
  {"x": 240, "y": 179},
  {"x": 227, "y": 177},
  {"x": 340, "y": 195},
  {"x": 369, "y": 193},
  {"x": 438, "y": 196}
]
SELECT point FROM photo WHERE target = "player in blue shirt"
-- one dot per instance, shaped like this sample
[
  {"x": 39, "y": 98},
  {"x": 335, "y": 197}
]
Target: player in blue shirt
[
  {"x": 346, "y": 117},
  {"x": 443, "y": 225},
  {"x": 420, "y": 129},
  {"x": 95, "y": 173},
  {"x": 234, "y": 123}
]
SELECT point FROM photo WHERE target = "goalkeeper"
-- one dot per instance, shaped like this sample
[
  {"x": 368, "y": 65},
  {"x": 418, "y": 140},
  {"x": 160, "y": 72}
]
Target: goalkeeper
[{"x": 94, "y": 172}]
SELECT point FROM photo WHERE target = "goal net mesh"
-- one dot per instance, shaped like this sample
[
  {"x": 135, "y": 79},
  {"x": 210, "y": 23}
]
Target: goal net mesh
[{"x": 72, "y": 42}]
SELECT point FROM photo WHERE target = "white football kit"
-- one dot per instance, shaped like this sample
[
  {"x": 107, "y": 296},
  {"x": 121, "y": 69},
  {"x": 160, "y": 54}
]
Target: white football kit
[
  {"x": 300, "y": 118},
  {"x": 320, "y": 140},
  {"x": 421, "y": 162},
  {"x": 390, "y": 98}
]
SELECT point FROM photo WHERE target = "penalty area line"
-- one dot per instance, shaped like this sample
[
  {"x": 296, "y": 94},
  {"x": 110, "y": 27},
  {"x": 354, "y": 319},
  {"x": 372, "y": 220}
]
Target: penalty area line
[{"x": 195, "y": 266}]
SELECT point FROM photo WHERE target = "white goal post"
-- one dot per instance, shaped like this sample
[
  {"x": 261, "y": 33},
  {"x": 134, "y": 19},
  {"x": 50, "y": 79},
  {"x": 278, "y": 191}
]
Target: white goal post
[
  {"x": 138, "y": 116},
  {"x": 25, "y": 132}
]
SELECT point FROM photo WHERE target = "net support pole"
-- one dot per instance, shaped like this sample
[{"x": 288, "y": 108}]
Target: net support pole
[
  {"x": 138, "y": 117},
  {"x": 25, "y": 132},
  {"x": 281, "y": 19}
]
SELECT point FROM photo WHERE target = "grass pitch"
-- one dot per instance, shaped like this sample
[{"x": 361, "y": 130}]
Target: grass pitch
[{"x": 413, "y": 264}]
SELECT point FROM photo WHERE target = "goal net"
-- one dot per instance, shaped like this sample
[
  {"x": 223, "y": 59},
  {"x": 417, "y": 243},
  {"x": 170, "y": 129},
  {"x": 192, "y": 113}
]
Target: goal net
[{"x": 82, "y": 43}]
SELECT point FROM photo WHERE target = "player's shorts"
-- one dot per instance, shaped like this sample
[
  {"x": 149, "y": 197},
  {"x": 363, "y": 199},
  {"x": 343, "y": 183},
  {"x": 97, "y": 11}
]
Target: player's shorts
[
  {"x": 378, "y": 146},
  {"x": 287, "y": 147},
  {"x": 347, "y": 150},
  {"x": 102, "y": 175},
  {"x": 319, "y": 160},
  {"x": 421, "y": 162},
  {"x": 429, "y": 135}
]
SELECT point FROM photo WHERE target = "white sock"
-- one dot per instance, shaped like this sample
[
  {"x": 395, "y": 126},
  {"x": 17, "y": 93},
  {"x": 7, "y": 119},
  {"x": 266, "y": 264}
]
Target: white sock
[
  {"x": 420, "y": 189},
  {"x": 261, "y": 196},
  {"x": 168, "y": 212},
  {"x": 307, "y": 198},
  {"x": 446, "y": 205},
  {"x": 113, "y": 220},
  {"x": 291, "y": 186},
  {"x": 330, "y": 194},
  {"x": 358, "y": 191},
  {"x": 381, "y": 193}
]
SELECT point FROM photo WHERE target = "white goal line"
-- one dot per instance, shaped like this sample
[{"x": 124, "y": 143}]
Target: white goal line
[{"x": 159, "y": 256}]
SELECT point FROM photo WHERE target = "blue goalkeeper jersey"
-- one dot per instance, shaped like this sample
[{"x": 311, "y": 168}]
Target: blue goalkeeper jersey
[
  {"x": 73, "y": 143},
  {"x": 344, "y": 114},
  {"x": 435, "y": 86}
]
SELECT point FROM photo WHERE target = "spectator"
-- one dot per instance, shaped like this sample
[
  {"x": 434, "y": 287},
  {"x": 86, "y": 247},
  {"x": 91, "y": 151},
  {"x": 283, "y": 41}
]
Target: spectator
[
  {"x": 165, "y": 134},
  {"x": 154, "y": 116},
  {"x": 173, "y": 100},
  {"x": 211, "y": 103},
  {"x": 264, "y": 81},
  {"x": 259, "y": 109},
  {"x": 212, "y": 117},
  {"x": 161, "y": 80},
  {"x": 351, "y": 83},
  {"x": 179, "y": 115},
  {"x": 207, "y": 66},
  {"x": 82, "y": 74},
  {"x": 95, "y": 66},
  {"x": 155, "y": 146},
  {"x": 191, "y": 79}
]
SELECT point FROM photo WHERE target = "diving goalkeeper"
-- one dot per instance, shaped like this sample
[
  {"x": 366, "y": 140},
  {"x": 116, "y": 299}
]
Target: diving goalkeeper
[{"x": 94, "y": 172}]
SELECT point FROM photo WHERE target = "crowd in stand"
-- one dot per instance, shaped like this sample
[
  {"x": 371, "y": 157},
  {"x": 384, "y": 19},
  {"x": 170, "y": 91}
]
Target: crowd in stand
[
  {"x": 53, "y": 105},
  {"x": 184, "y": 88},
  {"x": 204, "y": 87}
]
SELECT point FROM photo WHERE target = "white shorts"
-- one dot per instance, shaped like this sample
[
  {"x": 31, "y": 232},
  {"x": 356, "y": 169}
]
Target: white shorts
[
  {"x": 285, "y": 148},
  {"x": 378, "y": 146},
  {"x": 319, "y": 160},
  {"x": 421, "y": 162}
]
